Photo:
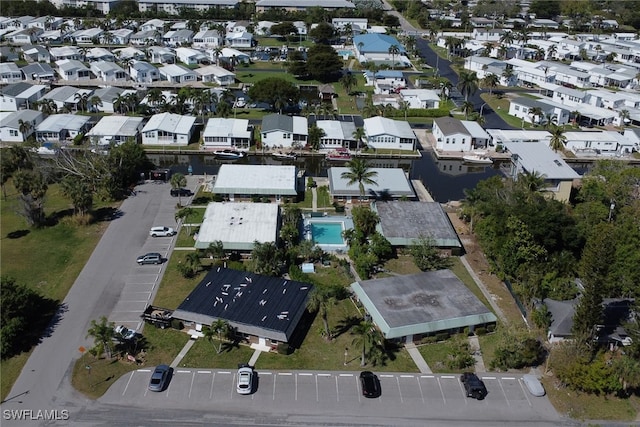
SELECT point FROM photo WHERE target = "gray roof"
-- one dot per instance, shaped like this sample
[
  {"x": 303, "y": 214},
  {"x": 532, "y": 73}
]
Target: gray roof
[
  {"x": 450, "y": 126},
  {"x": 561, "y": 316},
  {"x": 272, "y": 122},
  {"x": 531, "y": 103},
  {"x": 394, "y": 181},
  {"x": 61, "y": 93},
  {"x": 263, "y": 306},
  {"x": 15, "y": 89},
  {"x": 13, "y": 120},
  {"x": 421, "y": 303},
  {"x": 38, "y": 69},
  {"x": 538, "y": 157},
  {"x": 256, "y": 179},
  {"x": 108, "y": 94},
  {"x": 403, "y": 222},
  {"x": 297, "y": 3}
]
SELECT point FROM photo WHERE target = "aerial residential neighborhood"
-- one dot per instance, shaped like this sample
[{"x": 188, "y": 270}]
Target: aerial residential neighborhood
[{"x": 326, "y": 212}]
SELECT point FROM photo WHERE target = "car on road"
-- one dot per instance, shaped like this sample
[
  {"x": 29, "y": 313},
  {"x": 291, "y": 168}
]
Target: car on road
[
  {"x": 161, "y": 231},
  {"x": 473, "y": 386},
  {"x": 125, "y": 333},
  {"x": 533, "y": 384},
  {"x": 245, "y": 379},
  {"x": 159, "y": 378},
  {"x": 185, "y": 192},
  {"x": 150, "y": 258},
  {"x": 370, "y": 384}
]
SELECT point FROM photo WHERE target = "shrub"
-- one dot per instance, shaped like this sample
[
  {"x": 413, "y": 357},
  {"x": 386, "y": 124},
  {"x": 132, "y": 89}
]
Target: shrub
[
  {"x": 177, "y": 324},
  {"x": 284, "y": 348},
  {"x": 480, "y": 331},
  {"x": 442, "y": 336}
]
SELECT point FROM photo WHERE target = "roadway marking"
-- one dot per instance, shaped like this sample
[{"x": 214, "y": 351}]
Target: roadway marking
[
  {"x": 505, "y": 393},
  {"x": 304, "y": 374},
  {"x": 337, "y": 391},
  {"x": 427, "y": 376},
  {"x": 324, "y": 375},
  {"x": 406, "y": 376},
  {"x": 420, "y": 387},
  {"x": 224, "y": 372},
  {"x": 266, "y": 373},
  {"x": 127, "y": 386},
  {"x": 317, "y": 394},
  {"x": 399, "y": 390},
  {"x": 441, "y": 392},
  {"x": 183, "y": 372},
  {"x": 144, "y": 370},
  {"x": 386, "y": 376},
  {"x": 288, "y": 374},
  {"x": 193, "y": 377},
  {"x": 204, "y": 372},
  {"x": 523, "y": 391},
  {"x": 346, "y": 375},
  {"x": 213, "y": 377},
  {"x": 508, "y": 378},
  {"x": 488, "y": 378},
  {"x": 447, "y": 376},
  {"x": 296, "y": 387},
  {"x": 275, "y": 377}
]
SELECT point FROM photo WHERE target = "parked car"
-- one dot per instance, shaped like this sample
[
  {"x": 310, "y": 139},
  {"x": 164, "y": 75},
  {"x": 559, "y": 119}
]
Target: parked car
[
  {"x": 474, "y": 387},
  {"x": 150, "y": 258},
  {"x": 159, "y": 378},
  {"x": 125, "y": 333},
  {"x": 533, "y": 384},
  {"x": 245, "y": 379},
  {"x": 370, "y": 384},
  {"x": 161, "y": 231},
  {"x": 184, "y": 192}
]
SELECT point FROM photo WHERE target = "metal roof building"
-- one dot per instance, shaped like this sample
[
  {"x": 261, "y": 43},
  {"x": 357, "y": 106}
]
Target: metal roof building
[
  {"x": 256, "y": 179},
  {"x": 116, "y": 129},
  {"x": 390, "y": 181},
  {"x": 424, "y": 303},
  {"x": 402, "y": 223},
  {"x": 260, "y": 306},
  {"x": 238, "y": 225}
]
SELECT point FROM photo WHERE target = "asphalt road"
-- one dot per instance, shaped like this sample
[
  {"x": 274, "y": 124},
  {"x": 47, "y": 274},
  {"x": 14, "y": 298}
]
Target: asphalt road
[{"x": 44, "y": 383}]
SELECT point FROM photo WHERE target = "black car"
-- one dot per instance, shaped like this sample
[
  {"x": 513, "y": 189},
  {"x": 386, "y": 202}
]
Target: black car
[
  {"x": 370, "y": 384},
  {"x": 473, "y": 386},
  {"x": 185, "y": 192}
]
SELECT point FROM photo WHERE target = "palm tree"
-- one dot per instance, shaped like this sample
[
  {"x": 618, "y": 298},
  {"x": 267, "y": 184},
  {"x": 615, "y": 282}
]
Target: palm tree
[
  {"x": 468, "y": 83},
  {"x": 82, "y": 100},
  {"x": 320, "y": 299},
  {"x": 467, "y": 108},
  {"x": 523, "y": 36},
  {"x": 223, "y": 109},
  {"x": 532, "y": 181},
  {"x": 576, "y": 117},
  {"x": 178, "y": 181},
  {"x": 490, "y": 81},
  {"x": 394, "y": 50},
  {"x": 536, "y": 112},
  {"x": 558, "y": 140},
  {"x": 119, "y": 103},
  {"x": 551, "y": 51},
  {"x": 265, "y": 258},
  {"x": 488, "y": 47},
  {"x": 219, "y": 327},
  {"x": 359, "y": 134},
  {"x": 95, "y": 102},
  {"x": 360, "y": 172},
  {"x": 624, "y": 116},
  {"x": 404, "y": 107},
  {"x": 217, "y": 52},
  {"x": 508, "y": 74},
  {"x": 348, "y": 81},
  {"x": 24, "y": 127},
  {"x": 365, "y": 336},
  {"x": 103, "y": 334},
  {"x": 507, "y": 38},
  {"x": 502, "y": 51},
  {"x": 315, "y": 136}
]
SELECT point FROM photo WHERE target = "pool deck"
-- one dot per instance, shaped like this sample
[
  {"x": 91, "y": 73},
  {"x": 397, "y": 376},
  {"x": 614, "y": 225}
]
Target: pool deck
[{"x": 346, "y": 222}]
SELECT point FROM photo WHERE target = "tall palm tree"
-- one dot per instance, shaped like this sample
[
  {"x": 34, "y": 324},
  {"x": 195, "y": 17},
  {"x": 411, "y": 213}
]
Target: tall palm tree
[
  {"x": 320, "y": 299},
  {"x": 360, "y": 172},
  {"x": 490, "y": 81},
  {"x": 178, "y": 181},
  {"x": 103, "y": 333},
  {"x": 359, "y": 134},
  {"x": 532, "y": 181},
  {"x": 366, "y": 336},
  {"x": 624, "y": 116},
  {"x": 315, "y": 136},
  {"x": 536, "y": 115},
  {"x": 551, "y": 51},
  {"x": 502, "y": 51},
  {"x": 219, "y": 327},
  {"x": 558, "y": 139},
  {"x": 467, "y": 108},
  {"x": 394, "y": 50},
  {"x": 508, "y": 74},
  {"x": 82, "y": 100},
  {"x": 94, "y": 103},
  {"x": 468, "y": 83},
  {"x": 404, "y": 107},
  {"x": 24, "y": 127},
  {"x": 348, "y": 81},
  {"x": 507, "y": 38}
]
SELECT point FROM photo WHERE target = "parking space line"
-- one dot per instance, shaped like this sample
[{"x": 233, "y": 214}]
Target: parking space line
[
  {"x": 524, "y": 392},
  {"x": 317, "y": 394},
  {"x": 488, "y": 378},
  {"x": 183, "y": 372},
  {"x": 359, "y": 392},
  {"x": 143, "y": 370},
  {"x": 420, "y": 387},
  {"x": 213, "y": 377},
  {"x": 275, "y": 377},
  {"x": 204, "y": 372},
  {"x": 295, "y": 378},
  {"x": 508, "y": 378},
  {"x": 127, "y": 386},
  {"x": 224, "y": 372},
  {"x": 305, "y": 374},
  {"x": 441, "y": 391},
  {"x": 266, "y": 373},
  {"x": 504, "y": 393},
  {"x": 427, "y": 376},
  {"x": 406, "y": 376},
  {"x": 288, "y": 374},
  {"x": 324, "y": 375},
  {"x": 346, "y": 375},
  {"x": 399, "y": 390},
  {"x": 464, "y": 393},
  {"x": 337, "y": 391},
  {"x": 193, "y": 377},
  {"x": 447, "y": 376}
]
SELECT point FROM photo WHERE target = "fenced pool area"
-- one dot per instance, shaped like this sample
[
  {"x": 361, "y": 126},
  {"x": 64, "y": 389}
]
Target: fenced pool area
[{"x": 326, "y": 232}]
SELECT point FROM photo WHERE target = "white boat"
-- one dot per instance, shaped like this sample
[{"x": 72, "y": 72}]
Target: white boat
[
  {"x": 478, "y": 158},
  {"x": 229, "y": 154},
  {"x": 284, "y": 156}
]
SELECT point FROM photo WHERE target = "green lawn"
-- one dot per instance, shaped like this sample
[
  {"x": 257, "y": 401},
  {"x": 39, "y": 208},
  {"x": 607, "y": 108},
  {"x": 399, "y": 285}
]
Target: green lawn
[
  {"x": 436, "y": 354},
  {"x": 61, "y": 250}
]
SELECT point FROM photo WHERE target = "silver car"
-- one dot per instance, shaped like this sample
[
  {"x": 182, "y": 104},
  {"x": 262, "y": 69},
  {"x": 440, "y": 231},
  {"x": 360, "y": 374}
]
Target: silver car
[
  {"x": 159, "y": 378},
  {"x": 161, "y": 231},
  {"x": 245, "y": 380}
]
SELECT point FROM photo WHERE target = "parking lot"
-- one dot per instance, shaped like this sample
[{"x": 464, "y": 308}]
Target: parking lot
[{"x": 332, "y": 391}]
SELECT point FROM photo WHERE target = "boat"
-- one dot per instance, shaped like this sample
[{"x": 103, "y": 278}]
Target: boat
[
  {"x": 339, "y": 154},
  {"x": 290, "y": 155},
  {"x": 477, "y": 158},
  {"x": 229, "y": 154}
]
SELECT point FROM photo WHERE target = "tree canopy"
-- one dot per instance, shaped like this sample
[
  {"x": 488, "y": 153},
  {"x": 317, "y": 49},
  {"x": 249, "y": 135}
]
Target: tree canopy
[{"x": 275, "y": 91}]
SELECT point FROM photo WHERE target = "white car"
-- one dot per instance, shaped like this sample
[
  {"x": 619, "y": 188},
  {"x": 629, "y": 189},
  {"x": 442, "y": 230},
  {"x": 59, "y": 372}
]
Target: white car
[
  {"x": 125, "y": 333},
  {"x": 161, "y": 231},
  {"x": 245, "y": 380}
]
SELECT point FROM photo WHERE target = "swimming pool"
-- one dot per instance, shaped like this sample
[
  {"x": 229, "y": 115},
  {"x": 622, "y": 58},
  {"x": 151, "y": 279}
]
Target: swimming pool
[
  {"x": 344, "y": 53},
  {"x": 327, "y": 233}
]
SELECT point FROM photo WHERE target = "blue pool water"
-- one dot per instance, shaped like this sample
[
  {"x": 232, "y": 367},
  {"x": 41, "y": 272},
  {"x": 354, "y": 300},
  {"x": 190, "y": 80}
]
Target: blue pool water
[
  {"x": 345, "y": 53},
  {"x": 327, "y": 233}
]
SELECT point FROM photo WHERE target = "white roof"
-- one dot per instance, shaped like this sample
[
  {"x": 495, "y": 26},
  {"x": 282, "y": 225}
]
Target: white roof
[
  {"x": 256, "y": 179},
  {"x": 64, "y": 51},
  {"x": 70, "y": 65},
  {"x": 97, "y": 52},
  {"x": 474, "y": 129},
  {"x": 538, "y": 157},
  {"x": 383, "y": 126},
  {"x": 227, "y": 52},
  {"x": 335, "y": 129},
  {"x": 116, "y": 125},
  {"x": 169, "y": 122},
  {"x": 518, "y": 135},
  {"x": 421, "y": 94},
  {"x": 227, "y": 127},
  {"x": 238, "y": 225},
  {"x": 175, "y": 70},
  {"x": 213, "y": 70},
  {"x": 106, "y": 66},
  {"x": 596, "y": 136},
  {"x": 58, "y": 122}
]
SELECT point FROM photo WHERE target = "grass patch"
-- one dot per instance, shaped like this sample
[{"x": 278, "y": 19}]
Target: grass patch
[
  {"x": 488, "y": 344},
  {"x": 403, "y": 264},
  {"x": 61, "y": 250},
  {"x": 323, "y": 199},
  {"x": 204, "y": 354},
  {"x": 163, "y": 346},
  {"x": 436, "y": 355},
  {"x": 459, "y": 270},
  {"x": 587, "y": 406},
  {"x": 175, "y": 288}
]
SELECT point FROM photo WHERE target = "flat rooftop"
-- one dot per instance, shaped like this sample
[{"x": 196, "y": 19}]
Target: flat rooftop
[
  {"x": 394, "y": 181},
  {"x": 238, "y": 225},
  {"x": 421, "y": 303},
  {"x": 256, "y": 179},
  {"x": 264, "y": 306},
  {"x": 403, "y": 222}
]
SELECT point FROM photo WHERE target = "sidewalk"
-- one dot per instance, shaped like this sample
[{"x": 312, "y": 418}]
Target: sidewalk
[
  {"x": 417, "y": 358},
  {"x": 474, "y": 346}
]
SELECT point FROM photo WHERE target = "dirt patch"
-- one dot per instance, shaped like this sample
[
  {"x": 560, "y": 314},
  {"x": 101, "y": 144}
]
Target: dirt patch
[{"x": 479, "y": 264}]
